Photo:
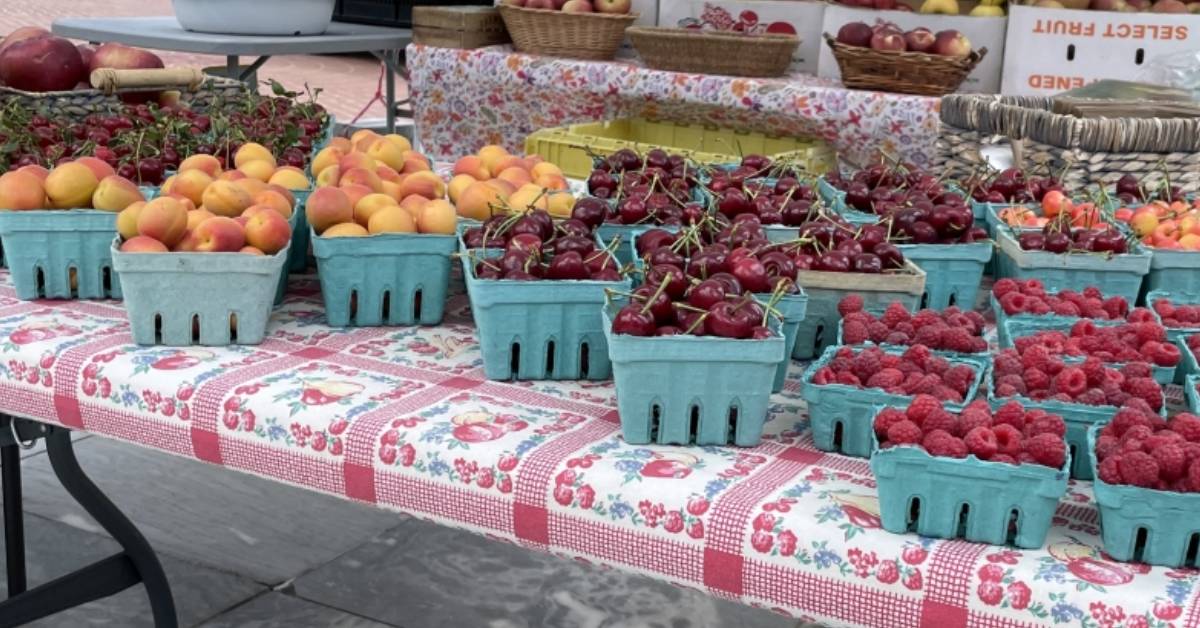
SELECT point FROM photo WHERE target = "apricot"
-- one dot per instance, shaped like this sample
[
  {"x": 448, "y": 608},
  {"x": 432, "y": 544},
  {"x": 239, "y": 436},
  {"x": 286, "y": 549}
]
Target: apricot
[
  {"x": 387, "y": 153},
  {"x": 369, "y": 204},
  {"x": 115, "y": 193},
  {"x": 515, "y": 176},
  {"x": 190, "y": 184},
  {"x": 560, "y": 204},
  {"x": 127, "y": 220},
  {"x": 391, "y": 189},
  {"x": 345, "y": 229},
  {"x": 392, "y": 220},
  {"x": 163, "y": 219},
  {"x": 195, "y": 217},
  {"x": 491, "y": 155},
  {"x": 545, "y": 168},
  {"x": 366, "y": 137},
  {"x": 425, "y": 183},
  {"x": 231, "y": 175},
  {"x": 399, "y": 140},
  {"x": 529, "y": 197},
  {"x": 472, "y": 165},
  {"x": 273, "y": 200},
  {"x": 71, "y": 185},
  {"x": 505, "y": 188},
  {"x": 257, "y": 169},
  {"x": 219, "y": 234},
  {"x": 414, "y": 162},
  {"x": 187, "y": 202},
  {"x": 207, "y": 163},
  {"x": 552, "y": 182},
  {"x": 99, "y": 167},
  {"x": 457, "y": 184},
  {"x": 356, "y": 192},
  {"x": 326, "y": 157},
  {"x": 188, "y": 243},
  {"x": 413, "y": 204},
  {"x": 437, "y": 217},
  {"x": 249, "y": 250},
  {"x": 251, "y": 186},
  {"x": 282, "y": 191},
  {"x": 329, "y": 176},
  {"x": 362, "y": 176},
  {"x": 478, "y": 201},
  {"x": 387, "y": 173},
  {"x": 327, "y": 207},
  {"x": 143, "y": 244},
  {"x": 357, "y": 160},
  {"x": 253, "y": 151},
  {"x": 268, "y": 232},
  {"x": 38, "y": 171},
  {"x": 1190, "y": 241},
  {"x": 510, "y": 161},
  {"x": 226, "y": 198},
  {"x": 1144, "y": 222},
  {"x": 21, "y": 190}
]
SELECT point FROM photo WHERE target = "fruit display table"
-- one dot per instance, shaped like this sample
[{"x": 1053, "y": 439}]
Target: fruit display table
[
  {"x": 403, "y": 418},
  {"x": 463, "y": 99}
]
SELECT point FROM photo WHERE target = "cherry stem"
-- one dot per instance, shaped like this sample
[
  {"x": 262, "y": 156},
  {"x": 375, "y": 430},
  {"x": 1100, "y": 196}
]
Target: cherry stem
[{"x": 657, "y": 293}]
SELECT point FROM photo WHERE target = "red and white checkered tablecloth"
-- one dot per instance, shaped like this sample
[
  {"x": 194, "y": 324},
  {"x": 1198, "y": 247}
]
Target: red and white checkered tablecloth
[{"x": 403, "y": 418}]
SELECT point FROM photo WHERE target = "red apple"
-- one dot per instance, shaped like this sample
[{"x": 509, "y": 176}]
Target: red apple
[
  {"x": 888, "y": 41},
  {"x": 855, "y": 34},
  {"x": 881, "y": 26},
  {"x": 547, "y": 5},
  {"x": 577, "y": 6},
  {"x": 1169, "y": 6},
  {"x": 920, "y": 39},
  {"x": 952, "y": 43},
  {"x": 86, "y": 52},
  {"x": 613, "y": 6},
  {"x": 21, "y": 34},
  {"x": 122, "y": 57},
  {"x": 43, "y": 64}
]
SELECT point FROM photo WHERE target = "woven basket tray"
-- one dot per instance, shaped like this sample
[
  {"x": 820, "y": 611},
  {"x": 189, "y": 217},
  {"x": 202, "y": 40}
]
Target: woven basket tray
[
  {"x": 1091, "y": 152},
  {"x": 594, "y": 36},
  {"x": 902, "y": 72},
  {"x": 713, "y": 52},
  {"x": 199, "y": 91}
]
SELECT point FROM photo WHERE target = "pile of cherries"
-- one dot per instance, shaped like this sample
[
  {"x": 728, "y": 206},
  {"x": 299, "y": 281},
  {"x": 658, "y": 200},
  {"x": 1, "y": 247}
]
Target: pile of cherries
[
  {"x": 885, "y": 189},
  {"x": 1058, "y": 237},
  {"x": 1013, "y": 186},
  {"x": 535, "y": 247},
  {"x": 784, "y": 201},
  {"x": 655, "y": 190},
  {"x": 1130, "y": 191}
]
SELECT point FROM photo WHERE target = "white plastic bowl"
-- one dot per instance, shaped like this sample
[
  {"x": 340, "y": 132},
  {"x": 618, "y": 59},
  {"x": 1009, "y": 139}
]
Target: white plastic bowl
[{"x": 255, "y": 17}]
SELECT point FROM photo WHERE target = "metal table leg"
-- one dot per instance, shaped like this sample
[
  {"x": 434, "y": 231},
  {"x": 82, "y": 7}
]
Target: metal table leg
[
  {"x": 14, "y": 518},
  {"x": 136, "y": 563}
]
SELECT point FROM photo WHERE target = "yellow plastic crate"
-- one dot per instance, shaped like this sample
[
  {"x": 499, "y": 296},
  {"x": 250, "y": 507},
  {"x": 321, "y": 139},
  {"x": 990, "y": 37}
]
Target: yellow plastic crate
[{"x": 571, "y": 147}]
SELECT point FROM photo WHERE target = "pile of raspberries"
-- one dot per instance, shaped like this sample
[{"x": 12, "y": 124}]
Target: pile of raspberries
[
  {"x": 1038, "y": 375},
  {"x": 1029, "y": 296},
  {"x": 948, "y": 330},
  {"x": 1143, "y": 449},
  {"x": 1127, "y": 342},
  {"x": 916, "y": 371},
  {"x": 1012, "y": 434},
  {"x": 1177, "y": 316}
]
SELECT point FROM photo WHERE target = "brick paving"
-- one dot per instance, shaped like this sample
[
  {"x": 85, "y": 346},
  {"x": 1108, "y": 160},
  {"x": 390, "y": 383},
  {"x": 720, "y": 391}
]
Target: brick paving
[{"x": 348, "y": 81}]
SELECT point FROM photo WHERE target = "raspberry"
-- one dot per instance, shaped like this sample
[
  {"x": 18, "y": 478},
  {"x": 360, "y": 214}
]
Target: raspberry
[
  {"x": 921, "y": 407},
  {"x": 878, "y": 331},
  {"x": 1093, "y": 371},
  {"x": 940, "y": 420},
  {"x": 1065, "y": 308},
  {"x": 1054, "y": 366},
  {"x": 1167, "y": 355},
  {"x": 1186, "y": 425},
  {"x": 855, "y": 333},
  {"x": 1034, "y": 287},
  {"x": 945, "y": 393},
  {"x": 886, "y": 378},
  {"x": 1139, "y": 469},
  {"x": 1005, "y": 286},
  {"x": 1012, "y": 414},
  {"x": 1035, "y": 357},
  {"x": 1106, "y": 446},
  {"x": 937, "y": 365},
  {"x": 1136, "y": 369},
  {"x": 1138, "y": 432},
  {"x": 1036, "y": 379},
  {"x": 896, "y": 338},
  {"x": 1110, "y": 471},
  {"x": 851, "y": 303},
  {"x": 957, "y": 339},
  {"x": 906, "y": 328},
  {"x": 1172, "y": 462},
  {"x": 929, "y": 335},
  {"x": 1047, "y": 424},
  {"x": 1015, "y": 384},
  {"x": 1002, "y": 390},
  {"x": 1140, "y": 405},
  {"x": 1072, "y": 381},
  {"x": 1014, "y": 303},
  {"x": 960, "y": 377},
  {"x": 1008, "y": 439},
  {"x": 1126, "y": 418},
  {"x": 865, "y": 364},
  {"x": 894, "y": 315},
  {"x": 1116, "y": 307},
  {"x": 1047, "y": 449},
  {"x": 917, "y": 354},
  {"x": 1092, "y": 397},
  {"x": 848, "y": 379},
  {"x": 824, "y": 375},
  {"x": 1008, "y": 363},
  {"x": 972, "y": 418},
  {"x": 940, "y": 443},
  {"x": 904, "y": 433},
  {"x": 1146, "y": 389},
  {"x": 925, "y": 318},
  {"x": 1149, "y": 332},
  {"x": 886, "y": 418},
  {"x": 1140, "y": 315},
  {"x": 981, "y": 441},
  {"x": 1163, "y": 438}
]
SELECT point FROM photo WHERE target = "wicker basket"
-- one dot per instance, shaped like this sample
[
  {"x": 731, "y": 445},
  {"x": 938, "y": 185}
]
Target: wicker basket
[
  {"x": 199, "y": 91},
  {"x": 902, "y": 72},
  {"x": 594, "y": 36},
  {"x": 1090, "y": 152},
  {"x": 714, "y": 52}
]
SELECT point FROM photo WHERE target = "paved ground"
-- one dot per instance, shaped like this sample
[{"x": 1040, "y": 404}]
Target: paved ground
[
  {"x": 348, "y": 81},
  {"x": 244, "y": 552}
]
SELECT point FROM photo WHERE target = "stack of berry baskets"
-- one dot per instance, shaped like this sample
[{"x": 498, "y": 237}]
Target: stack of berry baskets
[
  {"x": 719, "y": 364},
  {"x": 1071, "y": 258},
  {"x": 1032, "y": 197},
  {"x": 1147, "y": 494},
  {"x": 1141, "y": 339},
  {"x": 703, "y": 255},
  {"x": 843, "y": 388},
  {"x": 984, "y": 477},
  {"x": 1084, "y": 393},
  {"x": 1029, "y": 299},
  {"x": 883, "y": 189},
  {"x": 537, "y": 301}
]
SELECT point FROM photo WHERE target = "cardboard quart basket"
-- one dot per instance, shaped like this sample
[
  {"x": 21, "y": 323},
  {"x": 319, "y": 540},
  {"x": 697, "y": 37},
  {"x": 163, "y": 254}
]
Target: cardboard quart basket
[{"x": 60, "y": 254}]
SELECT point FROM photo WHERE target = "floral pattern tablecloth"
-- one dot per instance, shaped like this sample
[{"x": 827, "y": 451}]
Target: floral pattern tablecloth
[
  {"x": 464, "y": 99},
  {"x": 403, "y": 418}
]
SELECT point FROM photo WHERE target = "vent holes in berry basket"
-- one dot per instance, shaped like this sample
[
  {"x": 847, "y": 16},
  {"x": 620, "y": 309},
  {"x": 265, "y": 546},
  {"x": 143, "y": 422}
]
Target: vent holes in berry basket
[
  {"x": 417, "y": 305},
  {"x": 353, "y": 305},
  {"x": 1193, "y": 549},
  {"x": 233, "y": 327},
  {"x": 732, "y": 422},
  {"x": 655, "y": 417},
  {"x": 837, "y": 435},
  {"x": 817, "y": 339},
  {"x": 1014, "y": 526},
  {"x": 1139, "y": 544},
  {"x": 549, "y": 358},
  {"x": 964, "y": 519},
  {"x": 386, "y": 307},
  {"x": 40, "y": 281},
  {"x": 106, "y": 280},
  {"x": 693, "y": 423},
  {"x": 73, "y": 282},
  {"x": 195, "y": 328},
  {"x": 583, "y": 360},
  {"x": 157, "y": 328},
  {"x": 914, "y": 512}
]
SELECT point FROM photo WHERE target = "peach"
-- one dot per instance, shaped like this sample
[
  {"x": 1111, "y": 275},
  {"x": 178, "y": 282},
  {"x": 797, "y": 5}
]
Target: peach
[
  {"x": 529, "y": 197},
  {"x": 226, "y": 198},
  {"x": 168, "y": 184},
  {"x": 143, "y": 244},
  {"x": 362, "y": 136},
  {"x": 437, "y": 217},
  {"x": 358, "y": 160},
  {"x": 163, "y": 219},
  {"x": 328, "y": 177},
  {"x": 399, "y": 140},
  {"x": 510, "y": 161},
  {"x": 425, "y": 183},
  {"x": 251, "y": 186},
  {"x": 187, "y": 202},
  {"x": 268, "y": 232},
  {"x": 71, "y": 185},
  {"x": 392, "y": 220},
  {"x": 257, "y": 169},
  {"x": 391, "y": 189},
  {"x": 478, "y": 200},
  {"x": 356, "y": 192},
  {"x": 327, "y": 207},
  {"x": 195, "y": 217},
  {"x": 241, "y": 220},
  {"x": 209, "y": 164},
  {"x": 345, "y": 229},
  {"x": 326, "y": 157},
  {"x": 253, "y": 151},
  {"x": 505, "y": 188},
  {"x": 455, "y": 188},
  {"x": 249, "y": 250},
  {"x": 284, "y": 192},
  {"x": 127, "y": 220},
  {"x": 38, "y": 171},
  {"x": 99, "y": 167},
  {"x": 387, "y": 173},
  {"x": 413, "y": 204},
  {"x": 220, "y": 234},
  {"x": 545, "y": 168},
  {"x": 362, "y": 176},
  {"x": 187, "y": 244},
  {"x": 561, "y": 204},
  {"x": 341, "y": 143},
  {"x": 231, "y": 175},
  {"x": 473, "y": 166},
  {"x": 369, "y": 204},
  {"x": 532, "y": 160},
  {"x": 190, "y": 184},
  {"x": 386, "y": 153},
  {"x": 21, "y": 190},
  {"x": 414, "y": 162},
  {"x": 491, "y": 155},
  {"x": 273, "y": 200},
  {"x": 515, "y": 176},
  {"x": 552, "y": 182},
  {"x": 115, "y": 193}
]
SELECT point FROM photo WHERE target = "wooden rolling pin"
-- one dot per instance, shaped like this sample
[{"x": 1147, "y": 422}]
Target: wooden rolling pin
[{"x": 109, "y": 80}]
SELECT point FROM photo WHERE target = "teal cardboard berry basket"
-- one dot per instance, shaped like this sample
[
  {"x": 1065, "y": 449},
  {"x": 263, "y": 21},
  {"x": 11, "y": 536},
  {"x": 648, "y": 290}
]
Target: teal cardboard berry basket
[
  {"x": 842, "y": 416},
  {"x": 1191, "y": 394},
  {"x": 1188, "y": 364},
  {"x": 49, "y": 250},
  {"x": 301, "y": 239},
  {"x": 539, "y": 329},
  {"x": 1175, "y": 272},
  {"x": 684, "y": 389},
  {"x": 182, "y": 299},
  {"x": 385, "y": 278},
  {"x": 835, "y": 199},
  {"x": 1116, "y": 275},
  {"x": 968, "y": 498},
  {"x": 1173, "y": 333},
  {"x": 1145, "y": 525},
  {"x": 953, "y": 272},
  {"x": 1015, "y": 328}
]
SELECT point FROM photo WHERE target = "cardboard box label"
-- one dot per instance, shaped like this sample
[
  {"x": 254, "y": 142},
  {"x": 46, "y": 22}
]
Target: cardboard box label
[
  {"x": 797, "y": 17},
  {"x": 983, "y": 32},
  {"x": 1053, "y": 50}
]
